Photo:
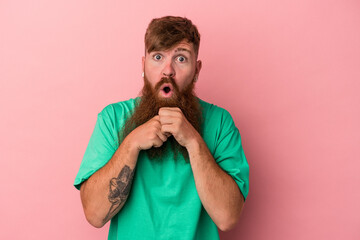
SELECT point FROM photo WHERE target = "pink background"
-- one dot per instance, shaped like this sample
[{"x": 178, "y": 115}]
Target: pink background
[{"x": 287, "y": 71}]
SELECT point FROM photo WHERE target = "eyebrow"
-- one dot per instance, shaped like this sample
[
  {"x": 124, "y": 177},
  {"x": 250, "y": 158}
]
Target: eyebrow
[{"x": 183, "y": 50}]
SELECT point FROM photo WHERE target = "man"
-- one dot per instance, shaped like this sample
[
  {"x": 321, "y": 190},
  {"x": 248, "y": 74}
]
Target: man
[{"x": 165, "y": 165}]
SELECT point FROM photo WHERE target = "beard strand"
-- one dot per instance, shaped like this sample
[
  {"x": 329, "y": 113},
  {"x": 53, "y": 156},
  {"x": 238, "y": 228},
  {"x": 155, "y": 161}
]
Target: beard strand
[{"x": 148, "y": 107}]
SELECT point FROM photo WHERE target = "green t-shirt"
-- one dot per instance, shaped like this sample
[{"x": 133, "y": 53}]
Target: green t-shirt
[{"x": 163, "y": 202}]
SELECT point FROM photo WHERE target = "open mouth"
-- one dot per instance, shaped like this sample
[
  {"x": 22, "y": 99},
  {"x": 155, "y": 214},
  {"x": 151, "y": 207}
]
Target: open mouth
[{"x": 166, "y": 90}]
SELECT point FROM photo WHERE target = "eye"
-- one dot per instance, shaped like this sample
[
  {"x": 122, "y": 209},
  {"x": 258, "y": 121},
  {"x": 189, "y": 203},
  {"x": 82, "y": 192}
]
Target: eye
[
  {"x": 157, "y": 57},
  {"x": 181, "y": 59}
]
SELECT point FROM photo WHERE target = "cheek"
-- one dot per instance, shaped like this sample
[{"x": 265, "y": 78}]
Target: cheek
[
  {"x": 152, "y": 76},
  {"x": 189, "y": 77},
  {"x": 184, "y": 83}
]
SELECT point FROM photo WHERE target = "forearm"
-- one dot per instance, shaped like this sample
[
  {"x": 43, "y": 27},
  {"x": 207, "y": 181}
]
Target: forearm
[
  {"x": 218, "y": 192},
  {"x": 106, "y": 191}
]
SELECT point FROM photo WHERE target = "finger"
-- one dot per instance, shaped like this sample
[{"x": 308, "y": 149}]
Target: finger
[
  {"x": 158, "y": 142},
  {"x": 156, "y": 118},
  {"x": 162, "y": 136},
  {"x": 167, "y": 129},
  {"x": 164, "y": 112},
  {"x": 169, "y": 110},
  {"x": 167, "y": 120},
  {"x": 155, "y": 122}
]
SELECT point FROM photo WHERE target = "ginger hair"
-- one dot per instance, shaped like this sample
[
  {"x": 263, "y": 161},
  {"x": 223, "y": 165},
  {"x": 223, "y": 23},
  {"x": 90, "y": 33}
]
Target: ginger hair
[{"x": 164, "y": 33}]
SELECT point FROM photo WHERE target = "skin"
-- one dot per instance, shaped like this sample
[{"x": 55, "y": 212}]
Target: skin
[
  {"x": 106, "y": 191},
  {"x": 179, "y": 62}
]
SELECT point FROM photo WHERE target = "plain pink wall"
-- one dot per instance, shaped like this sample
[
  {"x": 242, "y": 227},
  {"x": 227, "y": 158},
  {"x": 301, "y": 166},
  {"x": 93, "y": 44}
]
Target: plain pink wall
[{"x": 288, "y": 72}]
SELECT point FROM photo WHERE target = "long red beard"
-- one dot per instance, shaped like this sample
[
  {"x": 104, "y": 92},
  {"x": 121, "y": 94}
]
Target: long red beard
[{"x": 149, "y": 106}]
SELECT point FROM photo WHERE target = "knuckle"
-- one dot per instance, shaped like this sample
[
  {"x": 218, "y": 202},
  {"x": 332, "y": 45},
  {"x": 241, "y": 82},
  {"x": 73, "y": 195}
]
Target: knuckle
[{"x": 158, "y": 144}]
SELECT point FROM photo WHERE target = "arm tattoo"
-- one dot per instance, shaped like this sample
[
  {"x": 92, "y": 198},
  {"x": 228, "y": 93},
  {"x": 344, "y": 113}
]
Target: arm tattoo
[{"x": 119, "y": 191}]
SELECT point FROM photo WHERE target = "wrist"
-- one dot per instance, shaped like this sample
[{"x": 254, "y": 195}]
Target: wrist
[
  {"x": 194, "y": 143},
  {"x": 131, "y": 146}
]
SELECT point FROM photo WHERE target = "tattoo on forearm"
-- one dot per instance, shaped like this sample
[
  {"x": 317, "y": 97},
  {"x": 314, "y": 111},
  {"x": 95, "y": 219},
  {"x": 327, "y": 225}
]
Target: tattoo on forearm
[{"x": 119, "y": 191}]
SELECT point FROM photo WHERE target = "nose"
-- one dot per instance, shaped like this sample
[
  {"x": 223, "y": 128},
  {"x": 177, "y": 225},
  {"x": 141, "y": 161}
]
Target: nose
[{"x": 168, "y": 69}]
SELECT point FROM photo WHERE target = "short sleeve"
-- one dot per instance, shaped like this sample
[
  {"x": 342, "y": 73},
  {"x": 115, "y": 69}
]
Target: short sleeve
[
  {"x": 101, "y": 147},
  {"x": 229, "y": 153}
]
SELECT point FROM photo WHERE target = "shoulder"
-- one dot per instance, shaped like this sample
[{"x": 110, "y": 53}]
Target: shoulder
[
  {"x": 119, "y": 109},
  {"x": 217, "y": 125},
  {"x": 115, "y": 115},
  {"x": 215, "y": 115}
]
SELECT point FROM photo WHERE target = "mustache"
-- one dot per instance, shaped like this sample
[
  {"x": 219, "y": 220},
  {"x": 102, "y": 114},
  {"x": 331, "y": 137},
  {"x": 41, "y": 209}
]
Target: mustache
[{"x": 164, "y": 80}]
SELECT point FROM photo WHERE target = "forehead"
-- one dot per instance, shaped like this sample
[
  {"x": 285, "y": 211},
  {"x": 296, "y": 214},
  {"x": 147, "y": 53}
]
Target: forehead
[{"x": 183, "y": 46}]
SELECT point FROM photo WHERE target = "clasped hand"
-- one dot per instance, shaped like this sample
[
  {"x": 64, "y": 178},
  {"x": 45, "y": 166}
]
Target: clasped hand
[{"x": 170, "y": 121}]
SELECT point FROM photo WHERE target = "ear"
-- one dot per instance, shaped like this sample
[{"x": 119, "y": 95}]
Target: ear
[
  {"x": 198, "y": 67},
  {"x": 143, "y": 63}
]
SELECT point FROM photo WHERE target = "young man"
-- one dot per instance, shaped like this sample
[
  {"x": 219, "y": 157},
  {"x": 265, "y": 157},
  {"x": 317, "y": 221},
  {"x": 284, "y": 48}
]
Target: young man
[{"x": 165, "y": 165}]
